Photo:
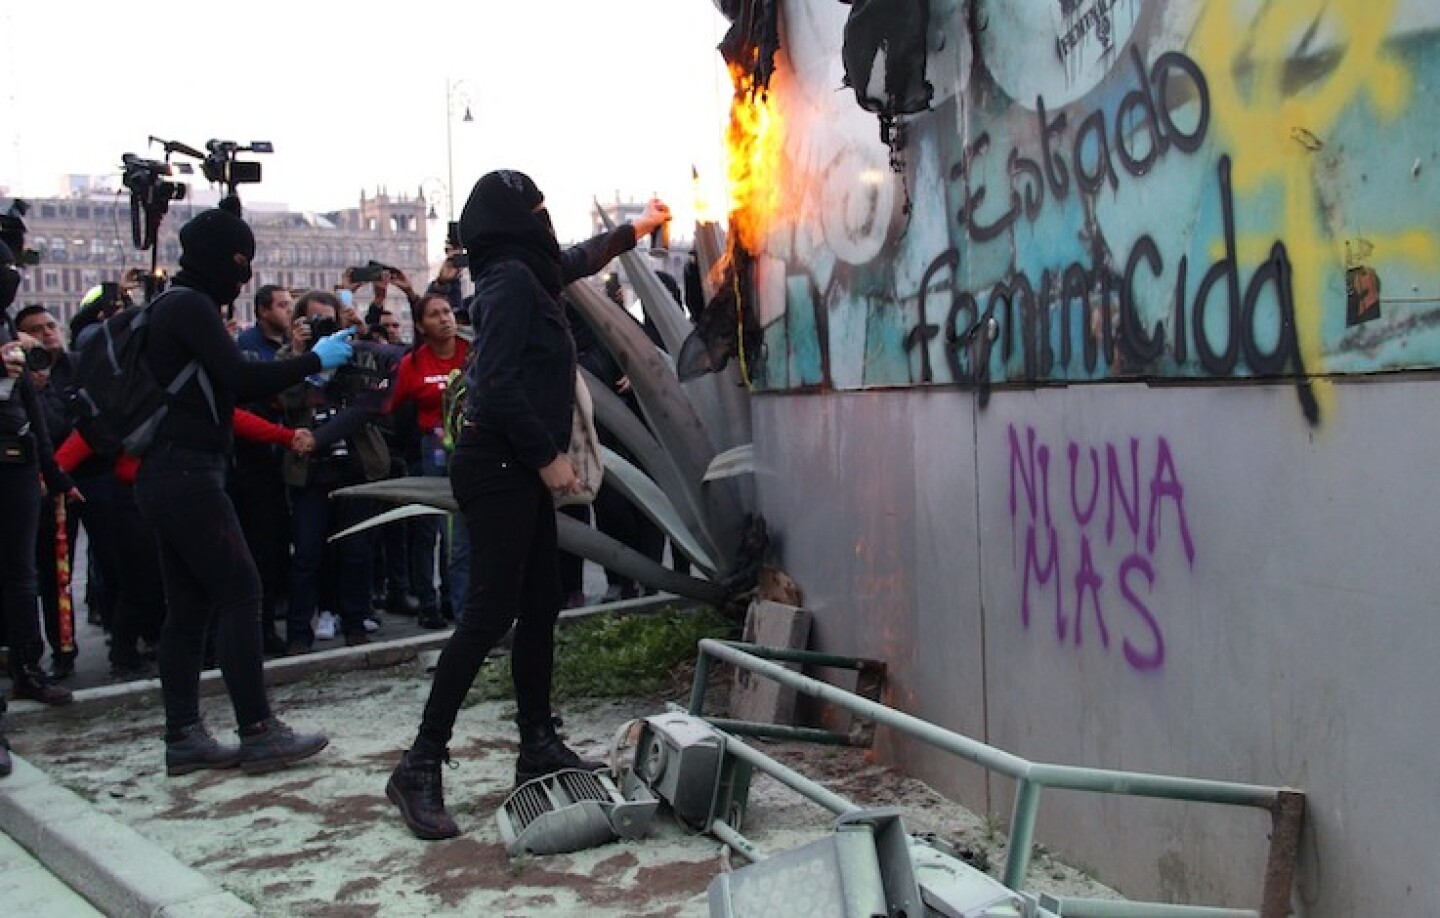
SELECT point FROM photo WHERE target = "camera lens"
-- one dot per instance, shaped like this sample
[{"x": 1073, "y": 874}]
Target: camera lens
[{"x": 38, "y": 359}]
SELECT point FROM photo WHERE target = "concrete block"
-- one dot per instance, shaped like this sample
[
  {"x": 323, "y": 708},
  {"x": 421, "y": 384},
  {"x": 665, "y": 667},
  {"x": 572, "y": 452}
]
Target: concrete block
[
  {"x": 115, "y": 867},
  {"x": 27, "y": 809},
  {"x": 756, "y": 698}
]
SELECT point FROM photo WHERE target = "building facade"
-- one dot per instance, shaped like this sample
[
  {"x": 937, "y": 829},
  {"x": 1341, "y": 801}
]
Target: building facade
[{"x": 86, "y": 239}]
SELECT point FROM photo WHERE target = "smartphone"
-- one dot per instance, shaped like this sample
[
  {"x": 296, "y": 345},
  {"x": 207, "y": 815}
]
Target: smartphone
[
  {"x": 458, "y": 260},
  {"x": 362, "y": 273},
  {"x": 452, "y": 235}
]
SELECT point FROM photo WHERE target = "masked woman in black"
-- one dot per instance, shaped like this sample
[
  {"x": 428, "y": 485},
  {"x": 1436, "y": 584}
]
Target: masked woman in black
[
  {"x": 509, "y": 464},
  {"x": 210, "y": 576}
]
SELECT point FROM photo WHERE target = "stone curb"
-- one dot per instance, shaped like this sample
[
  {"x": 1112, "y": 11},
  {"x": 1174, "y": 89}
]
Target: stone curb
[
  {"x": 284, "y": 670},
  {"x": 116, "y": 868}
]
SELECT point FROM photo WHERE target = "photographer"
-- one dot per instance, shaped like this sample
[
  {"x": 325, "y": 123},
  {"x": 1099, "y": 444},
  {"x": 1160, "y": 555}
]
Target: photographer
[
  {"x": 25, "y": 455},
  {"x": 256, "y": 484},
  {"x": 340, "y": 409},
  {"x": 52, "y": 372}
]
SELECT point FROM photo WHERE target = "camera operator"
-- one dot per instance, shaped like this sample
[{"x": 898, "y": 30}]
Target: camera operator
[
  {"x": 25, "y": 455},
  {"x": 52, "y": 372},
  {"x": 341, "y": 409}
]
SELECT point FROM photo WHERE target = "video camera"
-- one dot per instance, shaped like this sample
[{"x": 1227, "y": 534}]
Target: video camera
[
  {"x": 221, "y": 167},
  {"x": 148, "y": 180},
  {"x": 151, "y": 192}
]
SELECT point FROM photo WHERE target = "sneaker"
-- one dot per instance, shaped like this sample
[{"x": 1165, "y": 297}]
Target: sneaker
[
  {"x": 272, "y": 744},
  {"x": 372, "y": 624},
  {"x": 296, "y": 648},
  {"x": 358, "y": 639},
  {"x": 325, "y": 626},
  {"x": 613, "y": 593},
  {"x": 432, "y": 619},
  {"x": 574, "y": 600},
  {"x": 195, "y": 750}
]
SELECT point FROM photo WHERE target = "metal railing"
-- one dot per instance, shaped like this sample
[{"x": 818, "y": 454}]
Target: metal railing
[{"x": 1285, "y": 805}]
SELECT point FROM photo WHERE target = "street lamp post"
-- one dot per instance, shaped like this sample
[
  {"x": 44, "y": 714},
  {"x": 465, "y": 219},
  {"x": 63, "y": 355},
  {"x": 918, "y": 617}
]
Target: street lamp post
[{"x": 451, "y": 89}]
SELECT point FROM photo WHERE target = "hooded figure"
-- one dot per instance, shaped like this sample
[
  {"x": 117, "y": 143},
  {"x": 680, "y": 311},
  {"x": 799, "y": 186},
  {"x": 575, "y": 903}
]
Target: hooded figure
[
  {"x": 216, "y": 249},
  {"x": 508, "y": 467},
  {"x": 505, "y": 217}
]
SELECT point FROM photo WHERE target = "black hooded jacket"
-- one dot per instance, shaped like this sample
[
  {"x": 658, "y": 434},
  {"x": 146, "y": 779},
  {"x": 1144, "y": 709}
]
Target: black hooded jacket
[{"x": 521, "y": 381}]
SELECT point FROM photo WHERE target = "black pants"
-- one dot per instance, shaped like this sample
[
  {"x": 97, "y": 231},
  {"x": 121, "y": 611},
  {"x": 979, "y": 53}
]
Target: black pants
[
  {"x": 513, "y": 580},
  {"x": 209, "y": 578},
  {"x": 19, "y": 523}
]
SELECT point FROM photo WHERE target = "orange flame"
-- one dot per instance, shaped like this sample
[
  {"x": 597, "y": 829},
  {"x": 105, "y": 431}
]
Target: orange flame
[{"x": 753, "y": 147}]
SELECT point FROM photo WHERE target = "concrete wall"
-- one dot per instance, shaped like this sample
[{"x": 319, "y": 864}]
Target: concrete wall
[
  {"x": 1168, "y": 509},
  {"x": 1261, "y": 610}
]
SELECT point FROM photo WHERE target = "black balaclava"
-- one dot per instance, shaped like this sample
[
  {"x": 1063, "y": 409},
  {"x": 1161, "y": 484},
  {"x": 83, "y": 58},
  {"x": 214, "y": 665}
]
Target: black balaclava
[
  {"x": 208, "y": 246},
  {"x": 501, "y": 221},
  {"x": 9, "y": 280}
]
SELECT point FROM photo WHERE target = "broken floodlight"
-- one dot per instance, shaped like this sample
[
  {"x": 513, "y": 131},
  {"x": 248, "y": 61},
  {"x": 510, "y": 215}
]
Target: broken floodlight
[{"x": 571, "y": 810}]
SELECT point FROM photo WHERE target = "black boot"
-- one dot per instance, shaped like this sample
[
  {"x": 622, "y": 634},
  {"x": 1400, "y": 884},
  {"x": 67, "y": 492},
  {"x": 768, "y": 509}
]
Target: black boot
[
  {"x": 32, "y": 682},
  {"x": 416, "y": 787},
  {"x": 543, "y": 753}
]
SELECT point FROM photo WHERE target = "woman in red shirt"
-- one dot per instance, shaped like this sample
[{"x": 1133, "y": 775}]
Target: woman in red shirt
[{"x": 422, "y": 378}]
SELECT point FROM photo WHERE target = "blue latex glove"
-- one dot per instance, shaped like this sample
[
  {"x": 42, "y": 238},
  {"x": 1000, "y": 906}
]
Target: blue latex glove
[{"x": 335, "y": 350}]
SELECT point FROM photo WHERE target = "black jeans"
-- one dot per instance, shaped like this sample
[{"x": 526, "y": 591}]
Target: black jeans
[
  {"x": 19, "y": 523},
  {"x": 209, "y": 578},
  {"x": 314, "y": 516},
  {"x": 513, "y": 580}
]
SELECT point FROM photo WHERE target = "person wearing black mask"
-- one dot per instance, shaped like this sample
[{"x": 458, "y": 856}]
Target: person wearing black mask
[
  {"x": 26, "y": 454},
  {"x": 209, "y": 574},
  {"x": 509, "y": 464}
]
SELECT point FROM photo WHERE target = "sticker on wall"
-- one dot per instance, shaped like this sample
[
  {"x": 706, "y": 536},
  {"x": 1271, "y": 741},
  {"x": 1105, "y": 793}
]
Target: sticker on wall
[{"x": 1059, "y": 49}]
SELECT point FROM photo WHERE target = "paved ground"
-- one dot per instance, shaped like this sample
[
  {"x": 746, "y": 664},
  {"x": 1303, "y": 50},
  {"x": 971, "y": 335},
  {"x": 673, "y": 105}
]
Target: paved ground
[
  {"x": 28, "y": 889},
  {"x": 320, "y": 839}
]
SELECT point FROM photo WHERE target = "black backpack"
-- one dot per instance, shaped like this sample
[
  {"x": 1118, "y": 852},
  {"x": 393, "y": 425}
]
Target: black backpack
[{"x": 115, "y": 399}]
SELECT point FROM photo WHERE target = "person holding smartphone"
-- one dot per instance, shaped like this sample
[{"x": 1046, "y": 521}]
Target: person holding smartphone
[{"x": 210, "y": 578}]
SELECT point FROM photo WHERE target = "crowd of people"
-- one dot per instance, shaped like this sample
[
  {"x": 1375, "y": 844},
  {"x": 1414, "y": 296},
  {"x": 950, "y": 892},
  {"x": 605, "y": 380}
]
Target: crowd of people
[{"x": 213, "y": 548}]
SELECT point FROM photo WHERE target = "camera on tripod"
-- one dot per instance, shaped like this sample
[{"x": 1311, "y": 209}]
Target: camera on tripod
[{"x": 221, "y": 166}]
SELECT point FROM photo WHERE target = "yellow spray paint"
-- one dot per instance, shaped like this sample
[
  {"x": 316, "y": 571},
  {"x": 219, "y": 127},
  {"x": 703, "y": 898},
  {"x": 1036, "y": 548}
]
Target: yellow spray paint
[{"x": 1271, "y": 130}]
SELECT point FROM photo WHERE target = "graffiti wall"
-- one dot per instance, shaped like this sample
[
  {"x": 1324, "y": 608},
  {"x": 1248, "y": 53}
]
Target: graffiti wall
[{"x": 1110, "y": 189}]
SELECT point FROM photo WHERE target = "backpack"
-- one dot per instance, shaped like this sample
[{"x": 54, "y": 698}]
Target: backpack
[{"x": 115, "y": 399}]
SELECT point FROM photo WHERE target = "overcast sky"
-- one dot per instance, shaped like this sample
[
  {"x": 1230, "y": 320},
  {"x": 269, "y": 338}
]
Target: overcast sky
[{"x": 590, "y": 97}]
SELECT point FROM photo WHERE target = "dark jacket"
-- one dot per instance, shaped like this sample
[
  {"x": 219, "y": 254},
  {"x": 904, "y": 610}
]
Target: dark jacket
[
  {"x": 186, "y": 326},
  {"x": 343, "y": 413},
  {"x": 521, "y": 381}
]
